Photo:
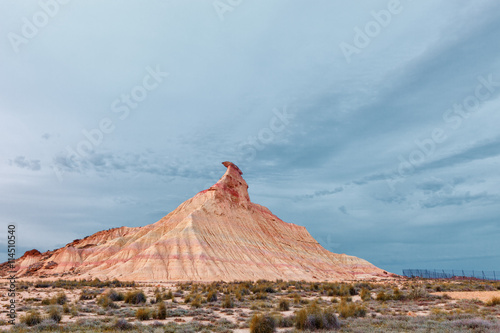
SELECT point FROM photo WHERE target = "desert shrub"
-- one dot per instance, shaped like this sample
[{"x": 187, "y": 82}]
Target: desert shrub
[
  {"x": 212, "y": 296},
  {"x": 135, "y": 297},
  {"x": 122, "y": 324},
  {"x": 262, "y": 324},
  {"x": 493, "y": 301},
  {"x": 143, "y": 314},
  {"x": 73, "y": 310},
  {"x": 105, "y": 302},
  {"x": 61, "y": 298},
  {"x": 66, "y": 308},
  {"x": 296, "y": 298},
  {"x": 349, "y": 309},
  {"x": 313, "y": 317},
  {"x": 161, "y": 312},
  {"x": 365, "y": 294},
  {"x": 341, "y": 290},
  {"x": 54, "y": 314},
  {"x": 170, "y": 295},
  {"x": 474, "y": 325},
  {"x": 43, "y": 284},
  {"x": 91, "y": 323},
  {"x": 88, "y": 294},
  {"x": 244, "y": 291},
  {"x": 263, "y": 286},
  {"x": 396, "y": 294},
  {"x": 115, "y": 296},
  {"x": 196, "y": 302},
  {"x": 260, "y": 295},
  {"x": 284, "y": 305},
  {"x": 287, "y": 321},
  {"x": 47, "y": 325},
  {"x": 47, "y": 301},
  {"x": 228, "y": 302},
  {"x": 382, "y": 296},
  {"x": 417, "y": 292},
  {"x": 31, "y": 318}
]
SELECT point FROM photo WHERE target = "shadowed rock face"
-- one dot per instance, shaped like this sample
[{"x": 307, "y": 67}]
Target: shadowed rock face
[{"x": 219, "y": 234}]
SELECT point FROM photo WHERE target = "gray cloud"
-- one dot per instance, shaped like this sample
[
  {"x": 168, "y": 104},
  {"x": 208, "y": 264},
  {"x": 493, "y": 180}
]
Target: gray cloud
[
  {"x": 319, "y": 193},
  {"x": 23, "y": 163},
  {"x": 454, "y": 199},
  {"x": 477, "y": 152},
  {"x": 350, "y": 124}
]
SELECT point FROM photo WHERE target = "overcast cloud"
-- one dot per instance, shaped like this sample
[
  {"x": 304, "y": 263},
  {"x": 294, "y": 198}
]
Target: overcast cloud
[{"x": 373, "y": 124}]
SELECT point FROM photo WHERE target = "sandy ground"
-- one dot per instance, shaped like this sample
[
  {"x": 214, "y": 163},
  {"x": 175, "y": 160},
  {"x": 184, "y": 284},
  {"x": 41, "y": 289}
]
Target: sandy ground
[{"x": 480, "y": 295}]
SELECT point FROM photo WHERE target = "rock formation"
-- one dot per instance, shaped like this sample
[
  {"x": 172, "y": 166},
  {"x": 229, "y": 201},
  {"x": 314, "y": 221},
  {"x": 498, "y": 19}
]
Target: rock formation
[{"x": 219, "y": 234}]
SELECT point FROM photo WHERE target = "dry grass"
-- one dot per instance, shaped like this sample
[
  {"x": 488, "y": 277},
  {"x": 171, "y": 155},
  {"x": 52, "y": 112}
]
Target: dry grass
[{"x": 393, "y": 306}]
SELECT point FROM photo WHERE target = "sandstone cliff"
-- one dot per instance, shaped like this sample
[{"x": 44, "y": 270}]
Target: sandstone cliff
[{"x": 219, "y": 234}]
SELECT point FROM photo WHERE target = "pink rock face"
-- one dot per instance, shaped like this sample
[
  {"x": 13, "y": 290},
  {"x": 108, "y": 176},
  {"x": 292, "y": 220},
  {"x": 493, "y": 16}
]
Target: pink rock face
[{"x": 219, "y": 234}]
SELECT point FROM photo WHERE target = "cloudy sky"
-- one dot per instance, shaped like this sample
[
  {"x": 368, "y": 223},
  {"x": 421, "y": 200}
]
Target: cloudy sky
[{"x": 374, "y": 124}]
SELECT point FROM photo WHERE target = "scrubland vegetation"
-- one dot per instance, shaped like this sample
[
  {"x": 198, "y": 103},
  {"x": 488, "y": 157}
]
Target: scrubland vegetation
[{"x": 261, "y": 307}]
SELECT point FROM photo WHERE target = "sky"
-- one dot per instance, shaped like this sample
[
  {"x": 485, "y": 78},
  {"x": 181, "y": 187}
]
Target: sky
[{"x": 373, "y": 124}]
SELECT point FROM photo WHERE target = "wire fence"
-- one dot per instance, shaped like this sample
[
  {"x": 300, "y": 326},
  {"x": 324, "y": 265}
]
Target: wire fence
[{"x": 458, "y": 274}]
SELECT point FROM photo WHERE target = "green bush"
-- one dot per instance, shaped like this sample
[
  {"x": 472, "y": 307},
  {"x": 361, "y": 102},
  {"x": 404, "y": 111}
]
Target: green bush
[
  {"x": 54, "y": 314},
  {"x": 228, "y": 302},
  {"x": 313, "y": 317},
  {"x": 135, "y": 297},
  {"x": 31, "y": 318},
  {"x": 382, "y": 296},
  {"x": 122, "y": 324},
  {"x": 104, "y": 301},
  {"x": 143, "y": 314},
  {"x": 212, "y": 296},
  {"x": 61, "y": 298},
  {"x": 417, "y": 292},
  {"x": 115, "y": 296},
  {"x": 262, "y": 324},
  {"x": 396, "y": 294},
  {"x": 47, "y": 301},
  {"x": 349, "y": 309},
  {"x": 196, "y": 302},
  {"x": 88, "y": 294},
  {"x": 365, "y": 294},
  {"x": 162, "y": 311},
  {"x": 284, "y": 305}
]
